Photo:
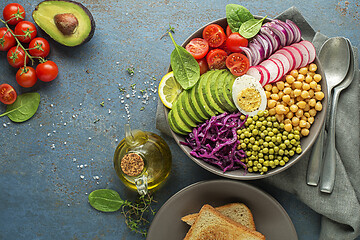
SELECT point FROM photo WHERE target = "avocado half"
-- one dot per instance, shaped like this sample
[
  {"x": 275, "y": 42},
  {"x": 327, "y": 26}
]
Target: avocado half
[{"x": 67, "y": 22}]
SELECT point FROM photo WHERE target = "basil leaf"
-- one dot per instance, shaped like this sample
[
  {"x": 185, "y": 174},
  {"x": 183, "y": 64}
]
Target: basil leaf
[
  {"x": 186, "y": 68},
  {"x": 24, "y": 107},
  {"x": 250, "y": 28},
  {"x": 105, "y": 200},
  {"x": 236, "y": 15}
]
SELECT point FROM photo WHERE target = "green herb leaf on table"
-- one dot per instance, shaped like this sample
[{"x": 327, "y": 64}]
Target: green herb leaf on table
[
  {"x": 236, "y": 15},
  {"x": 105, "y": 200},
  {"x": 186, "y": 68},
  {"x": 250, "y": 28},
  {"x": 23, "y": 108}
]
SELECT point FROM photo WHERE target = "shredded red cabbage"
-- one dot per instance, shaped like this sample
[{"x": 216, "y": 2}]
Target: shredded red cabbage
[{"x": 215, "y": 141}]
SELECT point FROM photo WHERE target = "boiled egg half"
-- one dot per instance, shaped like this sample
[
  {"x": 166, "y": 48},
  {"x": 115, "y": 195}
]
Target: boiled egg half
[{"x": 248, "y": 95}]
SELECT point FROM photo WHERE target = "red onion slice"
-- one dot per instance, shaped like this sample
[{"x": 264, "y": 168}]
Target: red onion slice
[
  {"x": 257, "y": 50},
  {"x": 290, "y": 33},
  {"x": 248, "y": 54},
  {"x": 278, "y": 30},
  {"x": 296, "y": 29},
  {"x": 269, "y": 42},
  {"x": 264, "y": 44},
  {"x": 275, "y": 40}
]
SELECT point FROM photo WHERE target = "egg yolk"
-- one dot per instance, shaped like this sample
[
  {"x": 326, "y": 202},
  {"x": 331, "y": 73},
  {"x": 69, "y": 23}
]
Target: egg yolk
[{"x": 249, "y": 99}]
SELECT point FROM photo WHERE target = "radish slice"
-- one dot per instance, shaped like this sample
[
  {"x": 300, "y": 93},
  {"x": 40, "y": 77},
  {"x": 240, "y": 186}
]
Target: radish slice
[
  {"x": 266, "y": 74},
  {"x": 273, "y": 69},
  {"x": 256, "y": 73},
  {"x": 297, "y": 55},
  {"x": 305, "y": 53},
  {"x": 281, "y": 69},
  {"x": 284, "y": 60},
  {"x": 289, "y": 56},
  {"x": 310, "y": 47}
]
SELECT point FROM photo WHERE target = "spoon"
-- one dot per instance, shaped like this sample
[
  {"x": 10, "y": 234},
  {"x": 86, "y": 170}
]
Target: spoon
[
  {"x": 335, "y": 59},
  {"x": 328, "y": 175}
]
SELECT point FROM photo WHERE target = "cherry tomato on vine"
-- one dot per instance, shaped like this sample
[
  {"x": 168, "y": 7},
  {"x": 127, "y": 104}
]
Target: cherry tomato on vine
[
  {"x": 39, "y": 47},
  {"x": 26, "y": 77},
  {"x": 214, "y": 34},
  {"x": 7, "y": 40},
  {"x": 235, "y": 41},
  {"x": 25, "y": 31},
  {"x": 237, "y": 63},
  {"x": 228, "y": 30},
  {"x": 13, "y": 13},
  {"x": 216, "y": 59},
  {"x": 203, "y": 65},
  {"x": 47, "y": 71},
  {"x": 198, "y": 47},
  {"x": 16, "y": 57},
  {"x": 7, "y": 94}
]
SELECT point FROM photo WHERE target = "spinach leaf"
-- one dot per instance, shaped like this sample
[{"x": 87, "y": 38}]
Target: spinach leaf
[
  {"x": 24, "y": 107},
  {"x": 250, "y": 28},
  {"x": 105, "y": 200},
  {"x": 236, "y": 15},
  {"x": 186, "y": 68}
]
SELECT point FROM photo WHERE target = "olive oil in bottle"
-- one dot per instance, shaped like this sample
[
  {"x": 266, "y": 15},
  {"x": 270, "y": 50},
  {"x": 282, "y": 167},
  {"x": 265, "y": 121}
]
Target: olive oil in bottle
[{"x": 142, "y": 160}]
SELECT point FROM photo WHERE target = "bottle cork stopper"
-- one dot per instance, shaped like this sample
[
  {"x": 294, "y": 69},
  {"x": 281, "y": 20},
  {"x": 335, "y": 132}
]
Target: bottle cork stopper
[{"x": 132, "y": 164}]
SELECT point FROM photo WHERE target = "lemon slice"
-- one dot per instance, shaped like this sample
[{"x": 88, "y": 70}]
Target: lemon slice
[{"x": 169, "y": 90}]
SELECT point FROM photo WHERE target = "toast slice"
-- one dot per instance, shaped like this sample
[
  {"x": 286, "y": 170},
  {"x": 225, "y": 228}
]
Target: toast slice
[
  {"x": 238, "y": 212},
  {"x": 212, "y": 225}
]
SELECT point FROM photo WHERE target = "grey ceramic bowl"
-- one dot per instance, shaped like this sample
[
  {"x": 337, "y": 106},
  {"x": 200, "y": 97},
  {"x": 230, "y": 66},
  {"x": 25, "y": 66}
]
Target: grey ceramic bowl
[{"x": 306, "y": 142}]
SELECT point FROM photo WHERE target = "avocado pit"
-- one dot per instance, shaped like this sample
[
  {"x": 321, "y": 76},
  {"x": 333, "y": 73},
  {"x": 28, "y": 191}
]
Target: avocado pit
[{"x": 66, "y": 23}]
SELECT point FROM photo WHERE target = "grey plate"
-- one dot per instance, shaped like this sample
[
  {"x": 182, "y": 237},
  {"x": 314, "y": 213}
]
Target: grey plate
[
  {"x": 306, "y": 142},
  {"x": 270, "y": 217}
]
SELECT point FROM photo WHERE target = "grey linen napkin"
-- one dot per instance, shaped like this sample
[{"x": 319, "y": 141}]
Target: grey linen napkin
[{"x": 340, "y": 210}]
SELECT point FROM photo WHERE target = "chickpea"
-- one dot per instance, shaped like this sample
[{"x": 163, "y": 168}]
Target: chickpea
[
  {"x": 300, "y": 78},
  {"x": 295, "y": 121},
  {"x": 294, "y": 73},
  {"x": 307, "y": 114},
  {"x": 306, "y": 86},
  {"x": 311, "y": 74},
  {"x": 317, "y": 77},
  {"x": 274, "y": 96},
  {"x": 301, "y": 104},
  {"x": 280, "y": 85},
  {"x": 294, "y": 108},
  {"x": 286, "y": 84},
  {"x": 302, "y": 123},
  {"x": 307, "y": 108},
  {"x": 308, "y": 125},
  {"x": 305, "y": 94},
  {"x": 304, "y": 132},
  {"x": 308, "y": 79},
  {"x": 318, "y": 88},
  {"x": 319, "y": 95},
  {"x": 303, "y": 70},
  {"x": 286, "y": 98},
  {"x": 311, "y": 93},
  {"x": 312, "y": 102},
  {"x": 274, "y": 89},
  {"x": 318, "y": 106},
  {"x": 312, "y": 84},
  {"x": 287, "y": 90},
  {"x": 312, "y": 67},
  {"x": 297, "y": 92},
  {"x": 281, "y": 94},
  {"x": 272, "y": 111},
  {"x": 290, "y": 115},
  {"x": 311, "y": 120},
  {"x": 297, "y": 85},
  {"x": 272, "y": 103},
  {"x": 297, "y": 128},
  {"x": 288, "y": 127},
  {"x": 268, "y": 87},
  {"x": 299, "y": 113},
  {"x": 312, "y": 112},
  {"x": 291, "y": 102},
  {"x": 290, "y": 79},
  {"x": 287, "y": 121},
  {"x": 267, "y": 94},
  {"x": 279, "y": 117},
  {"x": 280, "y": 109}
]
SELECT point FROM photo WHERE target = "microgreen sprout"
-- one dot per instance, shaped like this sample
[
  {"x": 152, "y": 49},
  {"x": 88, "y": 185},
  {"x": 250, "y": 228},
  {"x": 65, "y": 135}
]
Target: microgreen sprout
[
  {"x": 133, "y": 86},
  {"x": 170, "y": 29},
  {"x": 130, "y": 70},
  {"x": 102, "y": 103}
]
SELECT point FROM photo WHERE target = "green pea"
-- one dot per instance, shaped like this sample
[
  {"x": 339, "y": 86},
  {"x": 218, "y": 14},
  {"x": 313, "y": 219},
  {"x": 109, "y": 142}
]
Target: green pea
[
  {"x": 246, "y": 140},
  {"x": 261, "y": 142},
  {"x": 287, "y": 142},
  {"x": 265, "y": 150},
  {"x": 255, "y": 169},
  {"x": 256, "y": 117},
  {"x": 271, "y": 157},
  {"x": 264, "y": 169},
  {"x": 291, "y": 153},
  {"x": 262, "y": 128},
  {"x": 260, "y": 113},
  {"x": 267, "y": 138},
  {"x": 286, "y": 159},
  {"x": 282, "y": 146},
  {"x": 276, "y": 162},
  {"x": 271, "y": 151},
  {"x": 282, "y": 163},
  {"x": 251, "y": 127},
  {"x": 255, "y": 132},
  {"x": 243, "y": 145},
  {"x": 281, "y": 152},
  {"x": 273, "y": 139},
  {"x": 255, "y": 148},
  {"x": 250, "y": 163},
  {"x": 298, "y": 150},
  {"x": 270, "y": 134},
  {"x": 276, "y": 149},
  {"x": 261, "y": 155},
  {"x": 250, "y": 170},
  {"x": 297, "y": 137},
  {"x": 276, "y": 125},
  {"x": 266, "y": 163},
  {"x": 293, "y": 141},
  {"x": 261, "y": 160},
  {"x": 271, "y": 144}
]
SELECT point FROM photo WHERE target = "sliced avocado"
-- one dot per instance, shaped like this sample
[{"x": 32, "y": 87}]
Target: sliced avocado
[
  {"x": 227, "y": 90},
  {"x": 194, "y": 105},
  {"x": 178, "y": 122},
  {"x": 221, "y": 95},
  {"x": 171, "y": 120},
  {"x": 67, "y": 22},
  {"x": 218, "y": 92},
  {"x": 199, "y": 95},
  {"x": 179, "y": 107},
  {"x": 187, "y": 108},
  {"x": 209, "y": 89}
]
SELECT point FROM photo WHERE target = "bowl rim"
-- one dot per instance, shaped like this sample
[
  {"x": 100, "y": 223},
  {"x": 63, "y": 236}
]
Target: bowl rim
[{"x": 241, "y": 174}]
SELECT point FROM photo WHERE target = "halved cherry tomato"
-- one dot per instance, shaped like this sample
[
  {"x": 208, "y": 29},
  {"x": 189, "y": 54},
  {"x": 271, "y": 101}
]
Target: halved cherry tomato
[
  {"x": 25, "y": 31},
  {"x": 13, "y": 13},
  {"x": 216, "y": 59},
  {"x": 237, "y": 63},
  {"x": 198, "y": 47},
  {"x": 26, "y": 77},
  {"x": 7, "y": 94},
  {"x": 39, "y": 47},
  {"x": 235, "y": 41},
  {"x": 16, "y": 57},
  {"x": 228, "y": 30},
  {"x": 7, "y": 40},
  {"x": 47, "y": 71},
  {"x": 214, "y": 34},
  {"x": 203, "y": 65}
]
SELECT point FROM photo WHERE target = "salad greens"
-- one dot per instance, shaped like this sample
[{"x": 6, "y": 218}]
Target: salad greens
[
  {"x": 23, "y": 108},
  {"x": 236, "y": 15},
  {"x": 105, "y": 200},
  {"x": 250, "y": 28},
  {"x": 186, "y": 68}
]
